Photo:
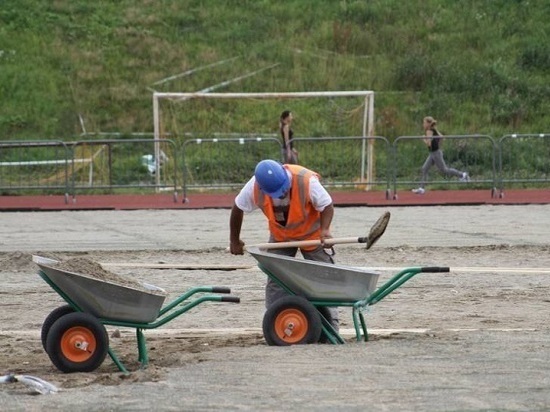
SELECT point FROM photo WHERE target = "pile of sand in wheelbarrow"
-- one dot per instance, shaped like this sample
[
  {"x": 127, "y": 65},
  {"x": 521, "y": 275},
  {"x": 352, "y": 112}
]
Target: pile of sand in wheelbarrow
[{"x": 93, "y": 269}]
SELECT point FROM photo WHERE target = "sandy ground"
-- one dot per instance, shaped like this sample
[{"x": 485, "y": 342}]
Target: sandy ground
[{"x": 476, "y": 338}]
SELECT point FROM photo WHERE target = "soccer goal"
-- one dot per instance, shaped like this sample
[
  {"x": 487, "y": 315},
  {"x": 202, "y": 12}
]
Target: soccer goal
[{"x": 246, "y": 117}]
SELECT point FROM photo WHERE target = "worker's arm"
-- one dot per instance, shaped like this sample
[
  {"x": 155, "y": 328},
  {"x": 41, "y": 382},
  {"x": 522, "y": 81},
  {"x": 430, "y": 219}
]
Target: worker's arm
[
  {"x": 322, "y": 202},
  {"x": 236, "y": 245},
  {"x": 326, "y": 219}
]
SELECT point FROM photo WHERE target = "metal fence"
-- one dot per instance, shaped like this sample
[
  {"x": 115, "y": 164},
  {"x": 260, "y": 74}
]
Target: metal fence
[
  {"x": 131, "y": 165},
  {"x": 125, "y": 164},
  {"x": 92, "y": 166},
  {"x": 224, "y": 163},
  {"x": 475, "y": 154},
  {"x": 37, "y": 165},
  {"x": 522, "y": 152},
  {"x": 344, "y": 161}
]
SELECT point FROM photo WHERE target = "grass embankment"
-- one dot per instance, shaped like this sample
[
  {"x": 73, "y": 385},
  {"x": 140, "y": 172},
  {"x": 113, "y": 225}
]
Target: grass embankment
[{"x": 477, "y": 66}]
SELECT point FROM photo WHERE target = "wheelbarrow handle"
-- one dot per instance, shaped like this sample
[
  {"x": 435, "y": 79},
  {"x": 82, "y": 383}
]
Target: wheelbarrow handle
[
  {"x": 220, "y": 289},
  {"x": 435, "y": 269},
  {"x": 231, "y": 299}
]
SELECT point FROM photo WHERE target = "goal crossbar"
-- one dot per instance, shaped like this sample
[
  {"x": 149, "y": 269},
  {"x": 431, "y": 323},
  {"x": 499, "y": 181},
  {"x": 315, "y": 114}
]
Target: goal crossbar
[{"x": 267, "y": 95}]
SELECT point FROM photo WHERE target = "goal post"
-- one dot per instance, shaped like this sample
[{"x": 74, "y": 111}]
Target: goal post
[{"x": 361, "y": 112}]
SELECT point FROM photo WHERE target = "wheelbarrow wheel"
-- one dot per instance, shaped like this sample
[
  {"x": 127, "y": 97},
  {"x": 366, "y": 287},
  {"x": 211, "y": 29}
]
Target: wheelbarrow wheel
[
  {"x": 291, "y": 320},
  {"x": 50, "y": 320},
  {"x": 77, "y": 342}
]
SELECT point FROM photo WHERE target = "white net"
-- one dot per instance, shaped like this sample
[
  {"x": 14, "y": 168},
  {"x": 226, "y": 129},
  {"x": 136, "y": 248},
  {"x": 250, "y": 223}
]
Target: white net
[{"x": 223, "y": 135}]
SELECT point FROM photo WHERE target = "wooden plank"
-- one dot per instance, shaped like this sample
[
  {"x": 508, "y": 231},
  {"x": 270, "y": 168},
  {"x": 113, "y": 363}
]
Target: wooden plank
[
  {"x": 181, "y": 266},
  {"x": 228, "y": 332},
  {"x": 473, "y": 269},
  {"x": 187, "y": 266}
]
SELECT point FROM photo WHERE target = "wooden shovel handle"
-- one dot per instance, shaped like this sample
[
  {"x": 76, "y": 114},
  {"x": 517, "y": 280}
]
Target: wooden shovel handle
[{"x": 305, "y": 243}]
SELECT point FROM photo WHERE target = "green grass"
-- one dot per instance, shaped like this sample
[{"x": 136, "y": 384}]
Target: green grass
[{"x": 479, "y": 67}]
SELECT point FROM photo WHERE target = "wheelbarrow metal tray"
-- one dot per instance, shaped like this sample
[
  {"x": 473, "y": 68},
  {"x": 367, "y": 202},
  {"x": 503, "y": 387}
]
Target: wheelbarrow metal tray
[
  {"x": 318, "y": 280},
  {"x": 104, "y": 299}
]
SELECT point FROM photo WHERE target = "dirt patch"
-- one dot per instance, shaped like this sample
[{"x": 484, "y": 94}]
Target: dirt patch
[
  {"x": 471, "y": 339},
  {"x": 16, "y": 262}
]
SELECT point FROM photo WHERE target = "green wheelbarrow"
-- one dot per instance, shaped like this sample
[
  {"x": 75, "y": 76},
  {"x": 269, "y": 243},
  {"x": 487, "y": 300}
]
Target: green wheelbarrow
[
  {"x": 313, "y": 287},
  {"x": 74, "y": 335}
]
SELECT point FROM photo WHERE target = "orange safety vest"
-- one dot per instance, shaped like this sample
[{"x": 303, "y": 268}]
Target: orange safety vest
[{"x": 304, "y": 221}]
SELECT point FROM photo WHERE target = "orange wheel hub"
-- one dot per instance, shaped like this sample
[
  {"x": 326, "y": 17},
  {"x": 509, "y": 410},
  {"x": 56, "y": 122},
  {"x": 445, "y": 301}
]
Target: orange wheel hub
[
  {"x": 78, "y": 344},
  {"x": 291, "y": 325}
]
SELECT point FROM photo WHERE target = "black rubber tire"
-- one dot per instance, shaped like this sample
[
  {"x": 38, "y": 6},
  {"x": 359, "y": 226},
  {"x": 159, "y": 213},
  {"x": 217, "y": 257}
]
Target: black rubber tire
[
  {"x": 325, "y": 312},
  {"x": 50, "y": 320},
  {"x": 302, "y": 312},
  {"x": 60, "y": 341}
]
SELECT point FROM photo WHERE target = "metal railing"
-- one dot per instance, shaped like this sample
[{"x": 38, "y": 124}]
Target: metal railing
[
  {"x": 475, "y": 154},
  {"x": 92, "y": 166},
  {"x": 343, "y": 161},
  {"x": 521, "y": 152},
  {"x": 225, "y": 163},
  {"x": 35, "y": 165},
  {"x": 125, "y": 164},
  {"x": 129, "y": 165}
]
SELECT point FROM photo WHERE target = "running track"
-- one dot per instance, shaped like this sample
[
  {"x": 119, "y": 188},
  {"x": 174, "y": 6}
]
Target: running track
[{"x": 203, "y": 200}]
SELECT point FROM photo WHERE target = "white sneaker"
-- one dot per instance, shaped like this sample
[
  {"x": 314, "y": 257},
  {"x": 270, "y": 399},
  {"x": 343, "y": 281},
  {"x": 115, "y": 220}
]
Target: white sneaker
[
  {"x": 419, "y": 191},
  {"x": 465, "y": 177}
]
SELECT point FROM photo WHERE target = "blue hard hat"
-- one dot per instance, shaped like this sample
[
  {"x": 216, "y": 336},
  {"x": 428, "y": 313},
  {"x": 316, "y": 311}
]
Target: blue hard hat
[{"x": 272, "y": 178}]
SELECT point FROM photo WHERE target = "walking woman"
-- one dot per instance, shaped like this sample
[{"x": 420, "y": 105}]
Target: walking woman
[
  {"x": 433, "y": 141},
  {"x": 290, "y": 155}
]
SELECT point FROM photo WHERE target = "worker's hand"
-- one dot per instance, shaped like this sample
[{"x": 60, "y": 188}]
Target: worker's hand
[
  {"x": 237, "y": 248},
  {"x": 325, "y": 234}
]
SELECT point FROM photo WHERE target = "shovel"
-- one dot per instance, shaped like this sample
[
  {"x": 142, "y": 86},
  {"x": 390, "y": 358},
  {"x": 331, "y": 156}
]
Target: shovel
[
  {"x": 36, "y": 384},
  {"x": 376, "y": 231}
]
